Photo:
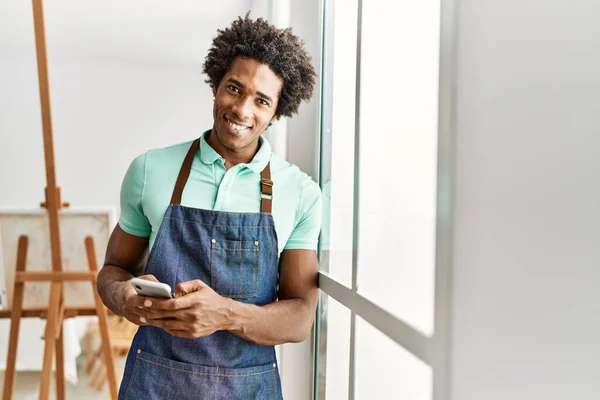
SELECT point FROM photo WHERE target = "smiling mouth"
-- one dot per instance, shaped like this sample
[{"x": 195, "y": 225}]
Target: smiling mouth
[{"x": 236, "y": 127}]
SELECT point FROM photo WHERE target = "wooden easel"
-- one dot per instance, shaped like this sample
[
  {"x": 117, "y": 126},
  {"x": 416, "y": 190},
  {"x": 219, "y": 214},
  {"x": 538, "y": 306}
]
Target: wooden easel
[{"x": 56, "y": 311}]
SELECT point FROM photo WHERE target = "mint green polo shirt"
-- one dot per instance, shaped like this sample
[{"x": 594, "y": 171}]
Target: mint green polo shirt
[{"x": 148, "y": 185}]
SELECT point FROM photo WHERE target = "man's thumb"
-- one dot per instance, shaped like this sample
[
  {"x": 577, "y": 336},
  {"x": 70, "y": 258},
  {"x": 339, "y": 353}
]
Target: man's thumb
[{"x": 188, "y": 287}]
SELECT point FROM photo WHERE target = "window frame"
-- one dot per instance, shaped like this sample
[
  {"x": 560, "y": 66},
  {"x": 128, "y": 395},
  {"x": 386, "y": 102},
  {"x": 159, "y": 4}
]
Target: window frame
[{"x": 433, "y": 350}]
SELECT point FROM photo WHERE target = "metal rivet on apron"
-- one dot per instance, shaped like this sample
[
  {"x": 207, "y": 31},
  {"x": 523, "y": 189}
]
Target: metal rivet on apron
[
  {"x": 213, "y": 241},
  {"x": 274, "y": 365},
  {"x": 139, "y": 351},
  {"x": 256, "y": 242}
]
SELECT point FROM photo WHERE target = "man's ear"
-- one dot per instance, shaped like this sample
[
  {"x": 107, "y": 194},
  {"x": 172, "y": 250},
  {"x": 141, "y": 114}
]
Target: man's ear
[{"x": 274, "y": 119}]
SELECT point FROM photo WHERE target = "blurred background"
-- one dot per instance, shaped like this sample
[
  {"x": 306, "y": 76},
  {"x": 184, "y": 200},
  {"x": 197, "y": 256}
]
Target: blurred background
[{"x": 457, "y": 146}]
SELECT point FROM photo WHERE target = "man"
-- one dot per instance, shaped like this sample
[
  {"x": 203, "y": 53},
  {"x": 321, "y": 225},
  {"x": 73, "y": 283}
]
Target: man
[{"x": 227, "y": 224}]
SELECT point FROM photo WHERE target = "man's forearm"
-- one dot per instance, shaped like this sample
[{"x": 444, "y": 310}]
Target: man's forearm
[
  {"x": 276, "y": 323},
  {"x": 111, "y": 280}
]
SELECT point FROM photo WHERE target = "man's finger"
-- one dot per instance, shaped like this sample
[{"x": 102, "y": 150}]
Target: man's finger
[
  {"x": 181, "y": 334},
  {"x": 170, "y": 324},
  {"x": 179, "y": 303},
  {"x": 149, "y": 314},
  {"x": 149, "y": 277},
  {"x": 188, "y": 287},
  {"x": 138, "y": 301}
]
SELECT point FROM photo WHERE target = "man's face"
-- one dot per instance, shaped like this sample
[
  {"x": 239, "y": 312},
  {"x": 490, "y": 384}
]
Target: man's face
[{"x": 245, "y": 103}]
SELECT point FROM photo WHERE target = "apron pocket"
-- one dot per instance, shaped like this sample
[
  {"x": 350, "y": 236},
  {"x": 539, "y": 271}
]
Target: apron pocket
[
  {"x": 156, "y": 378},
  {"x": 234, "y": 266}
]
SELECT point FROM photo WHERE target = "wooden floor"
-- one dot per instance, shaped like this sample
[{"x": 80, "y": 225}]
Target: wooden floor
[{"x": 28, "y": 383}]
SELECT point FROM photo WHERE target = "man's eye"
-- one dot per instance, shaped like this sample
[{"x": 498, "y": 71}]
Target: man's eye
[
  {"x": 233, "y": 88},
  {"x": 263, "y": 102}
]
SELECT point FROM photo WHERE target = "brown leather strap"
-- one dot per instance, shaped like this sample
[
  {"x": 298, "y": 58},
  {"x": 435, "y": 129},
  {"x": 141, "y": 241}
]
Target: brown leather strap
[
  {"x": 184, "y": 172},
  {"x": 266, "y": 190}
]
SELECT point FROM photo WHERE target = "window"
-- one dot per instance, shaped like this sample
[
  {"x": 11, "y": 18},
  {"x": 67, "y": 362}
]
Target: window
[{"x": 383, "y": 256}]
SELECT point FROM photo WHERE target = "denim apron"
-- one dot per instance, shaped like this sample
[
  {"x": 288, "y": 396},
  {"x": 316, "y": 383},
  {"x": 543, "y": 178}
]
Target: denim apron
[{"x": 237, "y": 255}]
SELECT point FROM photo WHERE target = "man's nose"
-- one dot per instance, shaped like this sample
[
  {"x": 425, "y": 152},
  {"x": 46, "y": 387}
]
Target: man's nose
[{"x": 243, "y": 108}]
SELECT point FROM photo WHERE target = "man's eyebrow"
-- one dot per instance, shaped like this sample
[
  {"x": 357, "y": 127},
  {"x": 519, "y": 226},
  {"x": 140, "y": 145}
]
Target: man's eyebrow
[
  {"x": 261, "y": 94},
  {"x": 241, "y": 85}
]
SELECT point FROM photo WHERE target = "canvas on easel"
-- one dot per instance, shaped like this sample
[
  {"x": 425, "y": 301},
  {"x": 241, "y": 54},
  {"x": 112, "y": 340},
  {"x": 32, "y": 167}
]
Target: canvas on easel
[
  {"x": 27, "y": 270},
  {"x": 76, "y": 225}
]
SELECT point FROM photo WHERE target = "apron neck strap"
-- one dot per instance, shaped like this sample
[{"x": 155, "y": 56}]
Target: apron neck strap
[
  {"x": 184, "y": 172},
  {"x": 266, "y": 184},
  {"x": 266, "y": 189}
]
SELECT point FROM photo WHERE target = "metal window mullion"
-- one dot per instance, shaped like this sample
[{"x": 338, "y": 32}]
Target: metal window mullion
[
  {"x": 445, "y": 193},
  {"x": 414, "y": 341},
  {"x": 356, "y": 208},
  {"x": 325, "y": 117}
]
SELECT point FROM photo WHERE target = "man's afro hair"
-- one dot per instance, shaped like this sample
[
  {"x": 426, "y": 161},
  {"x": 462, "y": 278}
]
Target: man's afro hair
[{"x": 279, "y": 48}]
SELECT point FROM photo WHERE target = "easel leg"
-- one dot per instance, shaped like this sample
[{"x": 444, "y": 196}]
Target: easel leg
[
  {"x": 109, "y": 360},
  {"x": 60, "y": 367},
  {"x": 50, "y": 338},
  {"x": 15, "y": 321},
  {"x": 101, "y": 312}
]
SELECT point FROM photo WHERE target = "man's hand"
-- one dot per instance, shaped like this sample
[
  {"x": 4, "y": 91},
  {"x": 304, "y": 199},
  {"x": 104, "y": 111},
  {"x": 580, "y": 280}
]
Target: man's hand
[
  {"x": 196, "y": 310},
  {"x": 133, "y": 305}
]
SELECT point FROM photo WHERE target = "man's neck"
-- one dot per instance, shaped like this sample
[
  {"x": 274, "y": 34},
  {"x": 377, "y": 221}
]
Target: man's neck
[{"x": 232, "y": 157}]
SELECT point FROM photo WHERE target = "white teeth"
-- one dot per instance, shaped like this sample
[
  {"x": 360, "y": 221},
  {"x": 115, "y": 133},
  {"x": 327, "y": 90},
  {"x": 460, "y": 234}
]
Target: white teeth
[{"x": 236, "y": 126}]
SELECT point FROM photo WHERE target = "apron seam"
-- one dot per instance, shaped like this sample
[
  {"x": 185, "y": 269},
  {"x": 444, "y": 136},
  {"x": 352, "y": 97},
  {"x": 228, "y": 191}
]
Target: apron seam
[
  {"x": 217, "y": 374},
  {"x": 275, "y": 384},
  {"x": 131, "y": 376},
  {"x": 215, "y": 386},
  {"x": 222, "y": 225}
]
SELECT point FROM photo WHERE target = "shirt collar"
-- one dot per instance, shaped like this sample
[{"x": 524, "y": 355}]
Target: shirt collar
[
  {"x": 260, "y": 160},
  {"x": 208, "y": 155}
]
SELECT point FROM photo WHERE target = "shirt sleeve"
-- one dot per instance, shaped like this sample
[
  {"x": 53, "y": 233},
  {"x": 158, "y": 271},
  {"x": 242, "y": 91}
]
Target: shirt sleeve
[
  {"x": 308, "y": 224},
  {"x": 132, "y": 219}
]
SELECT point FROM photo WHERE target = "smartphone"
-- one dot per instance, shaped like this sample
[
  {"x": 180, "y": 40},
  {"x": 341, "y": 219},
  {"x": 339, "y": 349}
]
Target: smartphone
[{"x": 144, "y": 287}]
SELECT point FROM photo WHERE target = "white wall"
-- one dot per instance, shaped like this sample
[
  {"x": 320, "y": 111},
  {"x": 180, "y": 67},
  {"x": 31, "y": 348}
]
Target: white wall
[
  {"x": 303, "y": 129},
  {"x": 526, "y": 307}
]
